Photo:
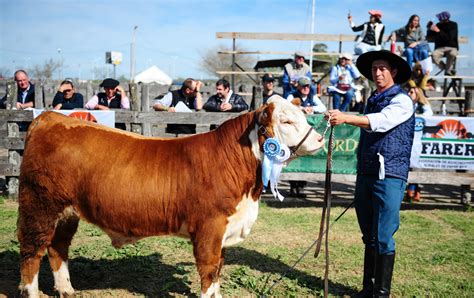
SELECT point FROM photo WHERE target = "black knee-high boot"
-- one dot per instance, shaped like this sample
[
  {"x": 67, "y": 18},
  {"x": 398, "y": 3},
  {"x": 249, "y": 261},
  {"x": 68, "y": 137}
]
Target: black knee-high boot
[
  {"x": 383, "y": 275},
  {"x": 369, "y": 273}
]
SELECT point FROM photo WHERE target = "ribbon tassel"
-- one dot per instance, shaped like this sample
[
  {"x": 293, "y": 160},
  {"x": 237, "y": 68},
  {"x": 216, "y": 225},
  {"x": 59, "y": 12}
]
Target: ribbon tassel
[{"x": 275, "y": 154}]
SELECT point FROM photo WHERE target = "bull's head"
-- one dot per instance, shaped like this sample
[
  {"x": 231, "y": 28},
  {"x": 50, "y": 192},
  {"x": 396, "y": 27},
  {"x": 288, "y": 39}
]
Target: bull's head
[{"x": 286, "y": 122}]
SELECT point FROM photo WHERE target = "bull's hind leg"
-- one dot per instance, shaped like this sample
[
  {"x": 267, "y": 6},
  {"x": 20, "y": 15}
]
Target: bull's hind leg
[
  {"x": 36, "y": 222},
  {"x": 58, "y": 251},
  {"x": 207, "y": 246}
]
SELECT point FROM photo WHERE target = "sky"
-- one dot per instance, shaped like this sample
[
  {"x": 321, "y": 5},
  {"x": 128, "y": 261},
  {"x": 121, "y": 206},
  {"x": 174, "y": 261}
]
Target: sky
[{"x": 174, "y": 34}]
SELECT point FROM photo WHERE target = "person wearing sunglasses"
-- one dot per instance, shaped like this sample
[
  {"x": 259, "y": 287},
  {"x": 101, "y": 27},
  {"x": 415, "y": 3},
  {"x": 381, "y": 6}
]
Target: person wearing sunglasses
[{"x": 67, "y": 98}]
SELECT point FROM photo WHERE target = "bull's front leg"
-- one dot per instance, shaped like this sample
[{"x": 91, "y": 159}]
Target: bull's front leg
[{"x": 208, "y": 252}]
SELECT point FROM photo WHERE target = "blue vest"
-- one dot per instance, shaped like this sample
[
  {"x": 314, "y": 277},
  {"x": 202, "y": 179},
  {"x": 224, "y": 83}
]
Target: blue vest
[
  {"x": 395, "y": 144},
  {"x": 309, "y": 102}
]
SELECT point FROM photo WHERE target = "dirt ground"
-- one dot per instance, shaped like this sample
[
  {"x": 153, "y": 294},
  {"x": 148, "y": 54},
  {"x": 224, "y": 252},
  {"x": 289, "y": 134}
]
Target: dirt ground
[{"x": 433, "y": 196}]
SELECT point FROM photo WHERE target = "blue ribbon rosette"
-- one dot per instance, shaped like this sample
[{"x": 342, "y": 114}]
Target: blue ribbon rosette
[{"x": 275, "y": 154}]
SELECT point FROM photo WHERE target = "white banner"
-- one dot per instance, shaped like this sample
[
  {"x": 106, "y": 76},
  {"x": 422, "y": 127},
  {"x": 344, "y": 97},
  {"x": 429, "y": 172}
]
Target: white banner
[
  {"x": 443, "y": 143},
  {"x": 106, "y": 118}
]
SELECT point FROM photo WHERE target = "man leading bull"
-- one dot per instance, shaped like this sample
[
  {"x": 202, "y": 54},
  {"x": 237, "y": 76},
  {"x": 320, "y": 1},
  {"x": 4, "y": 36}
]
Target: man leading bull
[{"x": 386, "y": 138}]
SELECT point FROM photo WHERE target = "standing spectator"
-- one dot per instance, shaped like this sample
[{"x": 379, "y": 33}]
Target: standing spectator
[
  {"x": 418, "y": 78},
  {"x": 445, "y": 36},
  {"x": 416, "y": 47},
  {"x": 342, "y": 76},
  {"x": 225, "y": 100},
  {"x": 189, "y": 94},
  {"x": 67, "y": 98},
  {"x": 267, "y": 83},
  {"x": 383, "y": 161},
  {"x": 25, "y": 94},
  {"x": 310, "y": 103},
  {"x": 114, "y": 97},
  {"x": 372, "y": 33},
  {"x": 292, "y": 72}
]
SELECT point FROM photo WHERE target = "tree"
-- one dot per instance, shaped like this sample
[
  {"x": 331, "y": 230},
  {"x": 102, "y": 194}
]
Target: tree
[
  {"x": 325, "y": 62},
  {"x": 46, "y": 71},
  {"x": 212, "y": 61}
]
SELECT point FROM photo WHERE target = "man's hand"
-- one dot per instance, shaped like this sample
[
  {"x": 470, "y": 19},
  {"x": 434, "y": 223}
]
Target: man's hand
[
  {"x": 172, "y": 110},
  {"x": 308, "y": 110},
  {"x": 101, "y": 107},
  {"x": 434, "y": 28},
  {"x": 413, "y": 44},
  {"x": 199, "y": 85},
  {"x": 19, "y": 106},
  {"x": 335, "y": 117},
  {"x": 225, "y": 107},
  {"x": 120, "y": 89}
]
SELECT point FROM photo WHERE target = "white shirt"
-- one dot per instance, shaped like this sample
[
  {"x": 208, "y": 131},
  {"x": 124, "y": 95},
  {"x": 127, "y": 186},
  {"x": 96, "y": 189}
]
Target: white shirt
[{"x": 398, "y": 111}]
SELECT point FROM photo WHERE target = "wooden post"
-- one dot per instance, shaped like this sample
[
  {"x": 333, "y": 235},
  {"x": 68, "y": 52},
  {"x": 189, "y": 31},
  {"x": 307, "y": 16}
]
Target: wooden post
[
  {"x": 89, "y": 92},
  {"x": 12, "y": 90},
  {"x": 133, "y": 90},
  {"x": 233, "y": 64},
  {"x": 468, "y": 103},
  {"x": 145, "y": 107},
  {"x": 257, "y": 97},
  {"x": 39, "y": 96}
]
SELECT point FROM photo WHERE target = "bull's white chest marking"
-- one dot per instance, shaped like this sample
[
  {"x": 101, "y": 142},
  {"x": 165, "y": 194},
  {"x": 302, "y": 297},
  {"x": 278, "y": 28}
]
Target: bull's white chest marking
[{"x": 240, "y": 223}]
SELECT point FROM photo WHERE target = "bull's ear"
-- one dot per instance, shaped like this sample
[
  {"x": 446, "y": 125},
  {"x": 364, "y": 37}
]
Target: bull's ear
[
  {"x": 265, "y": 115},
  {"x": 296, "y": 101}
]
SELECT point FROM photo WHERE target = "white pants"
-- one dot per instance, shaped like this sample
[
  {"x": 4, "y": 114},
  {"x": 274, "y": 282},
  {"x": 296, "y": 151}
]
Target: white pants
[{"x": 361, "y": 48}]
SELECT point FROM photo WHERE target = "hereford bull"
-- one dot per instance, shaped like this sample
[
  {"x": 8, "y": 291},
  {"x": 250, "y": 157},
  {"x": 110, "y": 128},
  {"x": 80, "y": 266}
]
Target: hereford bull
[{"x": 204, "y": 187}]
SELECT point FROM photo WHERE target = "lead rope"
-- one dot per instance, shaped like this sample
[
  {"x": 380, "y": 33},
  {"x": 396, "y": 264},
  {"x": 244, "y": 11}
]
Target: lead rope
[{"x": 324, "y": 219}]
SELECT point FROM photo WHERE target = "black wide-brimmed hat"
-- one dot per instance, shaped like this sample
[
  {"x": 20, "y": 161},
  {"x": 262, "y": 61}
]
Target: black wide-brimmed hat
[
  {"x": 109, "y": 83},
  {"x": 364, "y": 64}
]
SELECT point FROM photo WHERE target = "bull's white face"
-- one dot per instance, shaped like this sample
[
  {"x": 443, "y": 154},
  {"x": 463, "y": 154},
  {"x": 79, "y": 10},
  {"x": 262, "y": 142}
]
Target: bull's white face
[{"x": 290, "y": 127}]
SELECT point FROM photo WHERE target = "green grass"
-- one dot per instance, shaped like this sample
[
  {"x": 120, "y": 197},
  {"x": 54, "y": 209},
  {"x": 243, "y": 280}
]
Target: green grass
[{"x": 434, "y": 258}]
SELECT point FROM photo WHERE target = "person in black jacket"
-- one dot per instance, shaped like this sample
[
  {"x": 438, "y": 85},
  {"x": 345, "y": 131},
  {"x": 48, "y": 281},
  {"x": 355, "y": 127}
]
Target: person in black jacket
[
  {"x": 26, "y": 92},
  {"x": 445, "y": 36},
  {"x": 225, "y": 100},
  {"x": 67, "y": 98}
]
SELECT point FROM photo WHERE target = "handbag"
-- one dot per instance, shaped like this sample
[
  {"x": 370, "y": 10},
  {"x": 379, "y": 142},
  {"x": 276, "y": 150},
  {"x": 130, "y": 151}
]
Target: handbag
[{"x": 344, "y": 87}]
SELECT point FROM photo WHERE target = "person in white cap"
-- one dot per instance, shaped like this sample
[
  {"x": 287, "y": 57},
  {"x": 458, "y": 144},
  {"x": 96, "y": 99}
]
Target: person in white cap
[{"x": 342, "y": 76}]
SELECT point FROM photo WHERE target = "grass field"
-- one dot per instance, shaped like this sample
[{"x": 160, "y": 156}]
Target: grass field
[{"x": 434, "y": 258}]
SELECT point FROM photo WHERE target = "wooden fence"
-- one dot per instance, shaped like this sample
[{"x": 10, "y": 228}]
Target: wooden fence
[{"x": 142, "y": 120}]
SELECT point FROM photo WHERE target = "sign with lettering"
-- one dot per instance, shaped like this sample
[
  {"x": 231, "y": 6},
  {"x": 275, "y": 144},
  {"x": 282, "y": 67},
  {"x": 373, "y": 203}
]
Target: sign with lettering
[{"x": 443, "y": 143}]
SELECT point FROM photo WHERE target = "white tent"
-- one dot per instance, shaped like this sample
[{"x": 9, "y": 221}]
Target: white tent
[{"x": 153, "y": 74}]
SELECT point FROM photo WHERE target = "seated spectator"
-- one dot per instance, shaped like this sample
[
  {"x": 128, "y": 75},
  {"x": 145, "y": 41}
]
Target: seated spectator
[
  {"x": 267, "y": 83},
  {"x": 342, "y": 76},
  {"x": 225, "y": 100},
  {"x": 372, "y": 33},
  {"x": 189, "y": 94},
  {"x": 416, "y": 46},
  {"x": 445, "y": 36},
  {"x": 114, "y": 97},
  {"x": 25, "y": 94},
  {"x": 292, "y": 72},
  {"x": 66, "y": 98},
  {"x": 418, "y": 79},
  {"x": 310, "y": 103},
  {"x": 422, "y": 106}
]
